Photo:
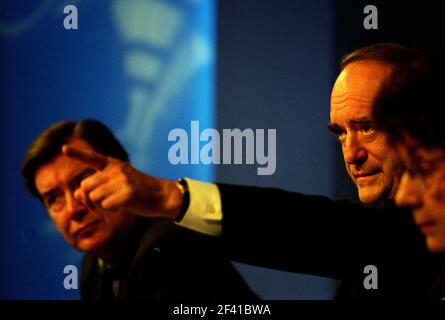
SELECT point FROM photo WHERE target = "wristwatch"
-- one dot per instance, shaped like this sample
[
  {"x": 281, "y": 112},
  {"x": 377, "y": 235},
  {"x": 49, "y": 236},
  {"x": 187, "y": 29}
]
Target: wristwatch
[{"x": 183, "y": 187}]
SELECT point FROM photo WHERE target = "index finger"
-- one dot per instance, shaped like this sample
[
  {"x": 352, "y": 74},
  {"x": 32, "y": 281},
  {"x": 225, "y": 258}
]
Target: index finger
[{"x": 91, "y": 157}]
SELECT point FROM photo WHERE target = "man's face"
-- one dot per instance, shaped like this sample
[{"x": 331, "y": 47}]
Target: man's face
[
  {"x": 373, "y": 165},
  {"x": 422, "y": 189},
  {"x": 83, "y": 228}
]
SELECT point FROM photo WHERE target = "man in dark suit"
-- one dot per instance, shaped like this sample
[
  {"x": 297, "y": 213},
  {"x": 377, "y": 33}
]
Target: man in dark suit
[
  {"x": 309, "y": 234},
  {"x": 127, "y": 257},
  {"x": 343, "y": 240}
]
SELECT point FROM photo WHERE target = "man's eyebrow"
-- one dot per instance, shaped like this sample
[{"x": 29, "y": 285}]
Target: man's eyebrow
[
  {"x": 361, "y": 120},
  {"x": 335, "y": 128},
  {"x": 48, "y": 193},
  {"x": 74, "y": 180}
]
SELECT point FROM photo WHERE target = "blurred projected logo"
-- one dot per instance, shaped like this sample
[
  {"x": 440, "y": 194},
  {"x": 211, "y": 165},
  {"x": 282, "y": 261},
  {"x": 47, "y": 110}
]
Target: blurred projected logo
[
  {"x": 163, "y": 52},
  {"x": 164, "y": 49}
]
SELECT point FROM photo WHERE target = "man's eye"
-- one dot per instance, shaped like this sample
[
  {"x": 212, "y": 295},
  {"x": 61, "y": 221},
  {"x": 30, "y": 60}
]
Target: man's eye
[
  {"x": 341, "y": 137},
  {"x": 411, "y": 172},
  {"x": 50, "y": 200},
  {"x": 425, "y": 167},
  {"x": 367, "y": 129},
  {"x": 54, "y": 202}
]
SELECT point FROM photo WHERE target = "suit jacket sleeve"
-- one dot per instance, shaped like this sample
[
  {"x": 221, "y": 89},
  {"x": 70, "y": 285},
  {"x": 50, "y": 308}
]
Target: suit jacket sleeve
[{"x": 313, "y": 234}]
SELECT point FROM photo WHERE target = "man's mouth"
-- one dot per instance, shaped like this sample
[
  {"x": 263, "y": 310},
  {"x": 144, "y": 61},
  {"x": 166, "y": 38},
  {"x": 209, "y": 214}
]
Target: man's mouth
[
  {"x": 364, "y": 175},
  {"x": 86, "y": 230},
  {"x": 426, "y": 227}
]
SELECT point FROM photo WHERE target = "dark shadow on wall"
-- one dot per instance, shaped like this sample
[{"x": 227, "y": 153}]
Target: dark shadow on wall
[{"x": 274, "y": 70}]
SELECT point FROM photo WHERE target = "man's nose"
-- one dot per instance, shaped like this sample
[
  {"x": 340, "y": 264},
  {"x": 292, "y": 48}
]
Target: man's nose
[
  {"x": 76, "y": 209},
  {"x": 410, "y": 192},
  {"x": 353, "y": 151}
]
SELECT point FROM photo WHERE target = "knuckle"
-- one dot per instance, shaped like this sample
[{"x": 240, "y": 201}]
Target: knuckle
[
  {"x": 128, "y": 193},
  {"x": 125, "y": 170},
  {"x": 119, "y": 169},
  {"x": 94, "y": 195},
  {"x": 84, "y": 184},
  {"x": 105, "y": 204},
  {"x": 125, "y": 167}
]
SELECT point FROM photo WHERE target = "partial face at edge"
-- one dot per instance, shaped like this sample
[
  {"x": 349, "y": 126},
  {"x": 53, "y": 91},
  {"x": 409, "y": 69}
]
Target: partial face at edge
[
  {"x": 422, "y": 189},
  {"x": 372, "y": 163}
]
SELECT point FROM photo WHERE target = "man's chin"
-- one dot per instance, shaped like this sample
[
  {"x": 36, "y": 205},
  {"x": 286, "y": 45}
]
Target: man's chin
[
  {"x": 91, "y": 244},
  {"x": 370, "y": 197},
  {"x": 435, "y": 245}
]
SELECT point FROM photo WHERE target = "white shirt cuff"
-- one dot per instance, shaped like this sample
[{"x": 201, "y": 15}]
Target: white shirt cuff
[{"x": 204, "y": 213}]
